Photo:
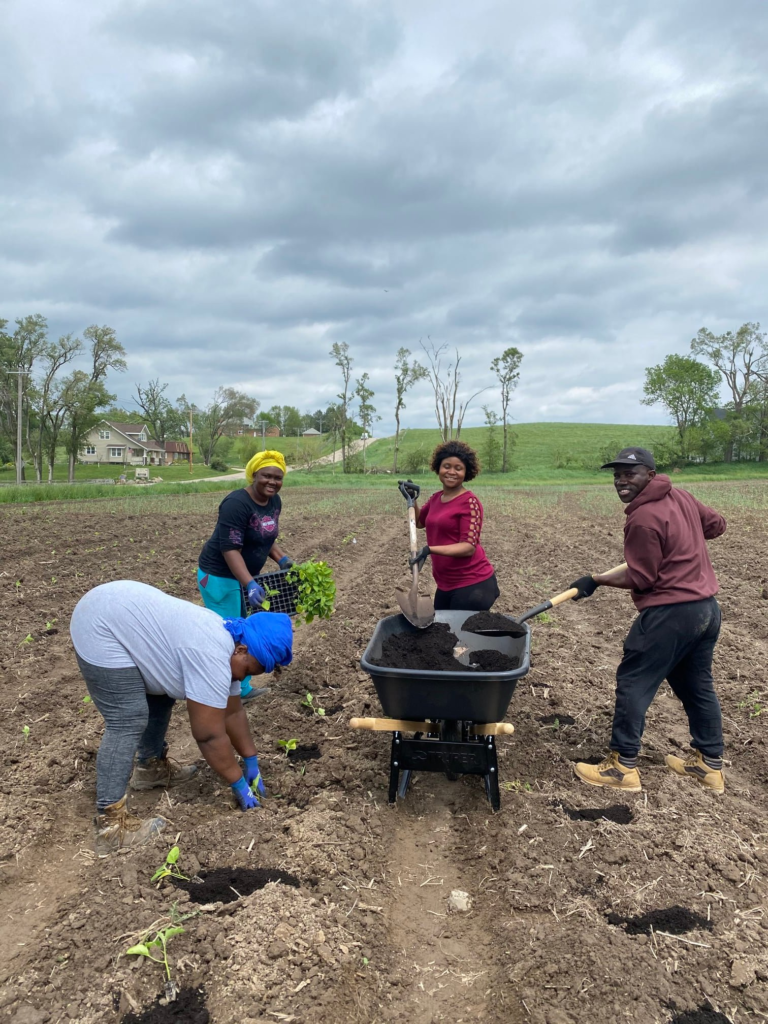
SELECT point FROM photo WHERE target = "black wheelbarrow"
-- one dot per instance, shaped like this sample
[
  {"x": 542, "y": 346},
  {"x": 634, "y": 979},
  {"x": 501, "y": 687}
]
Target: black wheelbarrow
[{"x": 454, "y": 716}]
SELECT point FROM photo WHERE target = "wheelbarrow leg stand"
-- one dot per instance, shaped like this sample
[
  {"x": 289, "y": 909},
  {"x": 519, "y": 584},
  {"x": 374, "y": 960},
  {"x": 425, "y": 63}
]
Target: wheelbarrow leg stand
[
  {"x": 492, "y": 775},
  {"x": 394, "y": 767}
]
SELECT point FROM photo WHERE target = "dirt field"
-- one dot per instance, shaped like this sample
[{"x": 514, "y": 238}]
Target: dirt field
[{"x": 367, "y": 935}]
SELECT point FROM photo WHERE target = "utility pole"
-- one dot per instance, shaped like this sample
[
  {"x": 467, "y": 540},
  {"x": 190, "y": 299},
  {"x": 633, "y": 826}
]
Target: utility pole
[
  {"x": 20, "y": 374},
  {"x": 190, "y": 439}
]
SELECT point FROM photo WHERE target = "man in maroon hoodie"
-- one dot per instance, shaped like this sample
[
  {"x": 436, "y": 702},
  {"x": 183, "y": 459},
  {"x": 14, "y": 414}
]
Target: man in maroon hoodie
[{"x": 673, "y": 586}]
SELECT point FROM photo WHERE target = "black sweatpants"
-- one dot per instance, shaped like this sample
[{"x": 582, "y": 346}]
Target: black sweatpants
[
  {"x": 479, "y": 597},
  {"x": 673, "y": 642}
]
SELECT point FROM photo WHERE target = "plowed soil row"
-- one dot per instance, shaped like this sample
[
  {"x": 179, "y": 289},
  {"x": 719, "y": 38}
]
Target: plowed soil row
[{"x": 368, "y": 936}]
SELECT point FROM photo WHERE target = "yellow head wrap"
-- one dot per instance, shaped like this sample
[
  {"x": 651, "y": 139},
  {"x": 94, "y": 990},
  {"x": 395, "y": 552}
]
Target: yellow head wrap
[{"x": 261, "y": 460}]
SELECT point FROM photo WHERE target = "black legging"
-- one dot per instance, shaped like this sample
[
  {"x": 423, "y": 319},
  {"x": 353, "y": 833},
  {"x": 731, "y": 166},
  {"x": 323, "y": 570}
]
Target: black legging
[{"x": 479, "y": 597}]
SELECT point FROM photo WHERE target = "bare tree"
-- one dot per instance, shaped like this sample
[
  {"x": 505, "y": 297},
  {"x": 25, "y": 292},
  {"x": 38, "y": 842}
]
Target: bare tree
[
  {"x": 406, "y": 375},
  {"x": 507, "y": 369},
  {"x": 340, "y": 354},
  {"x": 446, "y": 380}
]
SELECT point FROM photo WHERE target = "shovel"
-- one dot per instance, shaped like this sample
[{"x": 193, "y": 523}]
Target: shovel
[
  {"x": 419, "y": 611},
  {"x": 553, "y": 602}
]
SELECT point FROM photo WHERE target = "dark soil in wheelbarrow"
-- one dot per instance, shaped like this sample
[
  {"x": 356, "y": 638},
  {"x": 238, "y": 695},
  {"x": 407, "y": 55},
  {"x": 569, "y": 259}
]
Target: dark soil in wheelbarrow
[
  {"x": 225, "y": 885},
  {"x": 675, "y": 920},
  {"x": 485, "y": 621},
  {"x": 188, "y": 1006},
  {"x": 431, "y": 650}
]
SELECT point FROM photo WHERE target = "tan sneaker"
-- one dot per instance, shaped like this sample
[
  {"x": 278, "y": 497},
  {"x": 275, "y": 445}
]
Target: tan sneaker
[
  {"x": 118, "y": 829},
  {"x": 695, "y": 767},
  {"x": 161, "y": 771},
  {"x": 610, "y": 773}
]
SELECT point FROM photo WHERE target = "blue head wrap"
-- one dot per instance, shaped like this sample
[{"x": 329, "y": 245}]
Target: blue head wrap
[{"x": 267, "y": 635}]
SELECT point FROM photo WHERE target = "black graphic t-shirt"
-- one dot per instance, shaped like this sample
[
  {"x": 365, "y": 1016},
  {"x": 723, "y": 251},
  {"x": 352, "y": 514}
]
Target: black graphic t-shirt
[{"x": 243, "y": 526}]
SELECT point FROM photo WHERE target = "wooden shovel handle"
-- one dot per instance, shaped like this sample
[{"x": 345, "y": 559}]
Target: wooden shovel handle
[
  {"x": 412, "y": 529},
  {"x": 568, "y": 595}
]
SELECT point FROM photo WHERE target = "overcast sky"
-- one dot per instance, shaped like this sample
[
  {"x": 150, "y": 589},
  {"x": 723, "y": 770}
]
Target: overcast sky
[{"x": 234, "y": 185}]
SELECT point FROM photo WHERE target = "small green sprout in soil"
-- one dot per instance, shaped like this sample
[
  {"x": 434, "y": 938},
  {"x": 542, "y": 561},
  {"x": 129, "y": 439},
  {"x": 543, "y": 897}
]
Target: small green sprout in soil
[
  {"x": 543, "y": 617},
  {"x": 25, "y": 732},
  {"x": 159, "y": 943},
  {"x": 308, "y": 702},
  {"x": 28, "y": 639},
  {"x": 287, "y": 746},
  {"x": 169, "y": 869},
  {"x": 50, "y": 624},
  {"x": 753, "y": 704},
  {"x": 516, "y": 786}
]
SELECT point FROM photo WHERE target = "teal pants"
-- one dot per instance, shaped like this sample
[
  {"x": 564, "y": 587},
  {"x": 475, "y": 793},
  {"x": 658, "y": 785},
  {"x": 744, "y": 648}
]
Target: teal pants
[{"x": 225, "y": 597}]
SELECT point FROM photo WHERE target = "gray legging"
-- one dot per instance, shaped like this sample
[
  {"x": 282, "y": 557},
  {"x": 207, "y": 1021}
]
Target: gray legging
[{"x": 136, "y": 723}]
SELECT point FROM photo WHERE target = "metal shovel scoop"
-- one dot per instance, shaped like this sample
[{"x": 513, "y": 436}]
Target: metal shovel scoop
[{"x": 419, "y": 611}]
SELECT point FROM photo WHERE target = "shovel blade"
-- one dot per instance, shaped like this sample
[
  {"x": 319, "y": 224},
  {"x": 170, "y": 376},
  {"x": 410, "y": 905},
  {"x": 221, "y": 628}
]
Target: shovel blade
[{"x": 419, "y": 611}]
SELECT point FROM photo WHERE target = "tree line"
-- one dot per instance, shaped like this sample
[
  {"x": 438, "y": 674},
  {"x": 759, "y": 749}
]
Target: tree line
[{"x": 707, "y": 429}]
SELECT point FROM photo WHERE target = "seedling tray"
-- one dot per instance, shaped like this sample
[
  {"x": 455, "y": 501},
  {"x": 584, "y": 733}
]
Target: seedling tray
[
  {"x": 422, "y": 694},
  {"x": 287, "y": 593}
]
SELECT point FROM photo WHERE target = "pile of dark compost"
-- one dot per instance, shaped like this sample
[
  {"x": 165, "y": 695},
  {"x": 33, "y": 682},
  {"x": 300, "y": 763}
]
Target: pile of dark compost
[
  {"x": 188, "y": 1006},
  {"x": 431, "y": 650},
  {"x": 675, "y": 920},
  {"x": 225, "y": 885},
  {"x": 305, "y": 752},
  {"x": 620, "y": 814},
  {"x": 488, "y": 620}
]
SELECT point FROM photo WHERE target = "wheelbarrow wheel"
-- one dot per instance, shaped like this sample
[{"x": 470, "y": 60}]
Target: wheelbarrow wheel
[{"x": 450, "y": 732}]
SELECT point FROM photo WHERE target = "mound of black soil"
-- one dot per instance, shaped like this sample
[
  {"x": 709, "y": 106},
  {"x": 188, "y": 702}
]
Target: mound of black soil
[
  {"x": 557, "y": 720},
  {"x": 675, "y": 920},
  {"x": 704, "y": 1015},
  {"x": 431, "y": 650},
  {"x": 225, "y": 885},
  {"x": 618, "y": 813},
  {"x": 188, "y": 1006},
  {"x": 489, "y": 620},
  {"x": 305, "y": 752}
]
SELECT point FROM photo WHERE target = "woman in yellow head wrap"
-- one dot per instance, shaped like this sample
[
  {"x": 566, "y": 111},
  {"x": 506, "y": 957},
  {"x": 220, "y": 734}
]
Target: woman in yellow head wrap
[{"x": 245, "y": 536}]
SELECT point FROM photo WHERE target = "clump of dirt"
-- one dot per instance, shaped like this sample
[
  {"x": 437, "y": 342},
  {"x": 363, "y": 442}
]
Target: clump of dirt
[
  {"x": 620, "y": 814},
  {"x": 557, "y": 720},
  {"x": 188, "y": 1006},
  {"x": 675, "y": 920},
  {"x": 490, "y": 620},
  {"x": 225, "y": 885},
  {"x": 704, "y": 1015},
  {"x": 431, "y": 650},
  {"x": 305, "y": 752},
  {"x": 493, "y": 661}
]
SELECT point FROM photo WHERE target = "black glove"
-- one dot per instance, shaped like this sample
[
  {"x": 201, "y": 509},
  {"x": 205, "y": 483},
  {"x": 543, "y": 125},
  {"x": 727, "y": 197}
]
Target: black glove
[
  {"x": 420, "y": 557},
  {"x": 409, "y": 490},
  {"x": 585, "y": 585}
]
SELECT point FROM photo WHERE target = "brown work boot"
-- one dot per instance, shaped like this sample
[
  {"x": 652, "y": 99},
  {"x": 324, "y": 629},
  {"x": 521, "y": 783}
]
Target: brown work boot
[
  {"x": 118, "y": 829},
  {"x": 161, "y": 771},
  {"x": 696, "y": 767},
  {"x": 610, "y": 773}
]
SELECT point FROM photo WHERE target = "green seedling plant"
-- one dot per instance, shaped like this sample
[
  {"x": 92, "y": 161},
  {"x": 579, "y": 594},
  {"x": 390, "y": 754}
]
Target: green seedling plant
[
  {"x": 169, "y": 869},
  {"x": 49, "y": 624},
  {"x": 28, "y": 639},
  {"x": 287, "y": 746},
  {"x": 516, "y": 786},
  {"x": 159, "y": 943},
  {"x": 308, "y": 702},
  {"x": 753, "y": 703},
  {"x": 25, "y": 732},
  {"x": 316, "y": 590},
  {"x": 266, "y": 604}
]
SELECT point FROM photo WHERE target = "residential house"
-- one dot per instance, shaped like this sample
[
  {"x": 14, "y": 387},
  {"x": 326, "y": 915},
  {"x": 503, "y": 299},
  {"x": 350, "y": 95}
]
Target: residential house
[
  {"x": 311, "y": 433},
  {"x": 176, "y": 451},
  {"x": 121, "y": 444}
]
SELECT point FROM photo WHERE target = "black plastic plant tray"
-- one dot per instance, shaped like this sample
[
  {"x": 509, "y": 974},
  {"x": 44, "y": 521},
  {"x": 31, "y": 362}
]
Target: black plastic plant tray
[
  {"x": 419, "y": 694},
  {"x": 287, "y": 593}
]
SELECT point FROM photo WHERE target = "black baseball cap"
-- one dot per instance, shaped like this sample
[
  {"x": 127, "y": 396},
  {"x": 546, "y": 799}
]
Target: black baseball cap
[{"x": 632, "y": 457}]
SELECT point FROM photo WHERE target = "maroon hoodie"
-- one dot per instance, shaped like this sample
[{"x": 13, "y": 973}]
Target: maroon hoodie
[{"x": 664, "y": 545}]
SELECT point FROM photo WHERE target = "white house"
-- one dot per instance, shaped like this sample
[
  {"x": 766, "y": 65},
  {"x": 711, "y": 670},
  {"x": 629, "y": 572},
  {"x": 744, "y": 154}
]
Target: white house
[{"x": 121, "y": 444}]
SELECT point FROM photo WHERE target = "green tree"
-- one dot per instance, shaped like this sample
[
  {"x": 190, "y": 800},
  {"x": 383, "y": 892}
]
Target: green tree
[
  {"x": 19, "y": 351},
  {"x": 166, "y": 421},
  {"x": 686, "y": 388},
  {"x": 341, "y": 357},
  {"x": 507, "y": 369},
  {"x": 226, "y": 411},
  {"x": 737, "y": 355},
  {"x": 365, "y": 411},
  {"x": 407, "y": 374},
  {"x": 51, "y": 409}
]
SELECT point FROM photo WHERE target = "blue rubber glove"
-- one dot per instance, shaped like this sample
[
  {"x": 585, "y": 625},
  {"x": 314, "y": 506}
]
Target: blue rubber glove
[
  {"x": 285, "y": 562},
  {"x": 245, "y": 797},
  {"x": 253, "y": 776},
  {"x": 255, "y": 594}
]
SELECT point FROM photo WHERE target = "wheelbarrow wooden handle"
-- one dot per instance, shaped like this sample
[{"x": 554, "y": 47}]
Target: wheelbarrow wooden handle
[
  {"x": 567, "y": 595},
  {"x": 401, "y": 725}
]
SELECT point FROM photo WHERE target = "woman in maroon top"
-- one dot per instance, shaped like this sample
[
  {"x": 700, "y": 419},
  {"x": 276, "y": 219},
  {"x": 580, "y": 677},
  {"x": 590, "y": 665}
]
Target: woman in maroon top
[{"x": 453, "y": 519}]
